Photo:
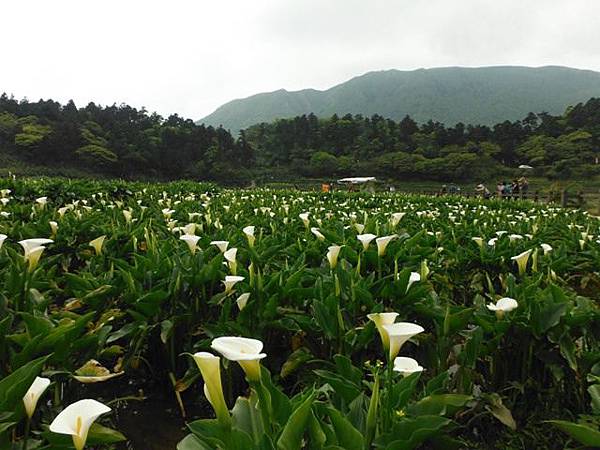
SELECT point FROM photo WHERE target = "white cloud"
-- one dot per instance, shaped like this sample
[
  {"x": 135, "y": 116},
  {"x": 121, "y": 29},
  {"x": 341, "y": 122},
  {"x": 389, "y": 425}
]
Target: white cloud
[{"x": 189, "y": 56}]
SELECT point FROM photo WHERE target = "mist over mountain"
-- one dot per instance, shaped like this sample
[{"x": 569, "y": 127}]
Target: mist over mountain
[{"x": 484, "y": 95}]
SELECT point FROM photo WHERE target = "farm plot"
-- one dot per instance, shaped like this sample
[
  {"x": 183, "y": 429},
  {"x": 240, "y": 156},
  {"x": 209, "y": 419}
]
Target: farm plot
[{"x": 285, "y": 320}]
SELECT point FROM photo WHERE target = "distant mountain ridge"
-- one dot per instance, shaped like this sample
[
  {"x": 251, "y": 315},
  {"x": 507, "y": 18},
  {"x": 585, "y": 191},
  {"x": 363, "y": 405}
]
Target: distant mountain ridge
[{"x": 483, "y": 95}]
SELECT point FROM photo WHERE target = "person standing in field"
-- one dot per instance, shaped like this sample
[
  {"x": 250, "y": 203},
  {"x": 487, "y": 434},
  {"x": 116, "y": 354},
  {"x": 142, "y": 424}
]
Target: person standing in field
[
  {"x": 507, "y": 190},
  {"x": 483, "y": 191},
  {"x": 524, "y": 186},
  {"x": 500, "y": 189}
]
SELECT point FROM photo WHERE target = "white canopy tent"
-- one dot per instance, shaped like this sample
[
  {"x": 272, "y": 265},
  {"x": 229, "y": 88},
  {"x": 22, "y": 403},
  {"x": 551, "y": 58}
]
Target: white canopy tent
[{"x": 356, "y": 180}]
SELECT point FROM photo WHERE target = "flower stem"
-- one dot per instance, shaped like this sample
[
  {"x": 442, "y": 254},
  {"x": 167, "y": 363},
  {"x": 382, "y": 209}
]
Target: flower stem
[{"x": 26, "y": 436}]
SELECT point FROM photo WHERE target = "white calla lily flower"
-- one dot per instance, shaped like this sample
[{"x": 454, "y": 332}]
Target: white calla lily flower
[
  {"x": 230, "y": 281},
  {"x": 230, "y": 255},
  {"x": 504, "y": 305},
  {"x": 29, "y": 244},
  {"x": 521, "y": 260},
  {"x": 332, "y": 255},
  {"x": 382, "y": 243},
  {"x": 192, "y": 241},
  {"x": 76, "y": 420},
  {"x": 221, "y": 245},
  {"x": 406, "y": 366},
  {"x": 53, "y": 227},
  {"x": 365, "y": 239},
  {"x": 97, "y": 244},
  {"x": 546, "y": 248},
  {"x": 249, "y": 232},
  {"x": 399, "y": 333},
  {"x": 245, "y": 351},
  {"x": 317, "y": 233},
  {"x": 414, "y": 277},
  {"x": 397, "y": 217},
  {"x": 304, "y": 218},
  {"x": 242, "y": 300}
]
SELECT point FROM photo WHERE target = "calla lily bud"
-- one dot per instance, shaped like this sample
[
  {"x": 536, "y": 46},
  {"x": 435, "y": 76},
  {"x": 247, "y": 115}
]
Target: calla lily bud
[
  {"x": 31, "y": 397},
  {"x": 210, "y": 368},
  {"x": 381, "y": 319}
]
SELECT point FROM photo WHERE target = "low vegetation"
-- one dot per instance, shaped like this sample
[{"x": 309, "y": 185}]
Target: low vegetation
[{"x": 287, "y": 320}]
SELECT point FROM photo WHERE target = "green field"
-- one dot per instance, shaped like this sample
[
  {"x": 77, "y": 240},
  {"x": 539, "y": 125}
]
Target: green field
[{"x": 136, "y": 295}]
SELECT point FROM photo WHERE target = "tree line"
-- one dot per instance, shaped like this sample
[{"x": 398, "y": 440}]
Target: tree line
[{"x": 123, "y": 141}]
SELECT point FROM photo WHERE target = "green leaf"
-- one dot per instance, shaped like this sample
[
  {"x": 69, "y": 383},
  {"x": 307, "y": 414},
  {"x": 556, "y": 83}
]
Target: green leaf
[
  {"x": 295, "y": 360},
  {"x": 500, "y": 412},
  {"x": 348, "y": 437},
  {"x": 14, "y": 386},
  {"x": 371, "y": 426},
  {"x": 317, "y": 436},
  {"x": 582, "y": 433},
  {"x": 100, "y": 434},
  {"x": 191, "y": 442},
  {"x": 594, "y": 392},
  {"x": 343, "y": 387},
  {"x": 166, "y": 328},
  {"x": 439, "y": 404},
  {"x": 409, "y": 433},
  {"x": 291, "y": 436},
  {"x": 246, "y": 417},
  {"x": 4, "y": 426}
]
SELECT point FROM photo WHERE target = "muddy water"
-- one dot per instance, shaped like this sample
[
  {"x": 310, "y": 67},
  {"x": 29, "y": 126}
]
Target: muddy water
[{"x": 152, "y": 424}]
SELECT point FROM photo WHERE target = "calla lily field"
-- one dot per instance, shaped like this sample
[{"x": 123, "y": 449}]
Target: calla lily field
[{"x": 282, "y": 320}]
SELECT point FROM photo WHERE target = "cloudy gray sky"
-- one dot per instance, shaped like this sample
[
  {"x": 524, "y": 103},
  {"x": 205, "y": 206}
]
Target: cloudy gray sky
[{"x": 190, "y": 56}]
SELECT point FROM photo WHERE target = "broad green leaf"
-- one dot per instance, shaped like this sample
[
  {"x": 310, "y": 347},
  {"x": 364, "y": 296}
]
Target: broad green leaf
[
  {"x": 581, "y": 433},
  {"x": 291, "y": 436}
]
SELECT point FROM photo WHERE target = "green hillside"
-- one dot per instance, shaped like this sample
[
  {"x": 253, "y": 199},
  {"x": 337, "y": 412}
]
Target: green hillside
[{"x": 485, "y": 95}]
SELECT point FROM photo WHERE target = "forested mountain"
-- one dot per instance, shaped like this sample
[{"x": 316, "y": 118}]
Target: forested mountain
[
  {"x": 485, "y": 95},
  {"x": 121, "y": 141}
]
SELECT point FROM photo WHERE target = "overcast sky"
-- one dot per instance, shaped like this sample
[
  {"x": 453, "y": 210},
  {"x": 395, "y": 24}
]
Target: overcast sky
[{"x": 191, "y": 56}]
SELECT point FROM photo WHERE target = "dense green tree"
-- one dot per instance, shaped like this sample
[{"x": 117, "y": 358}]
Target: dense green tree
[{"x": 119, "y": 140}]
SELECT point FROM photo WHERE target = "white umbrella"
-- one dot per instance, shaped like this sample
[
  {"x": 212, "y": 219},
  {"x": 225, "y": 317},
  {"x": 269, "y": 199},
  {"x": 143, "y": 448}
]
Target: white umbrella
[{"x": 525, "y": 166}]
